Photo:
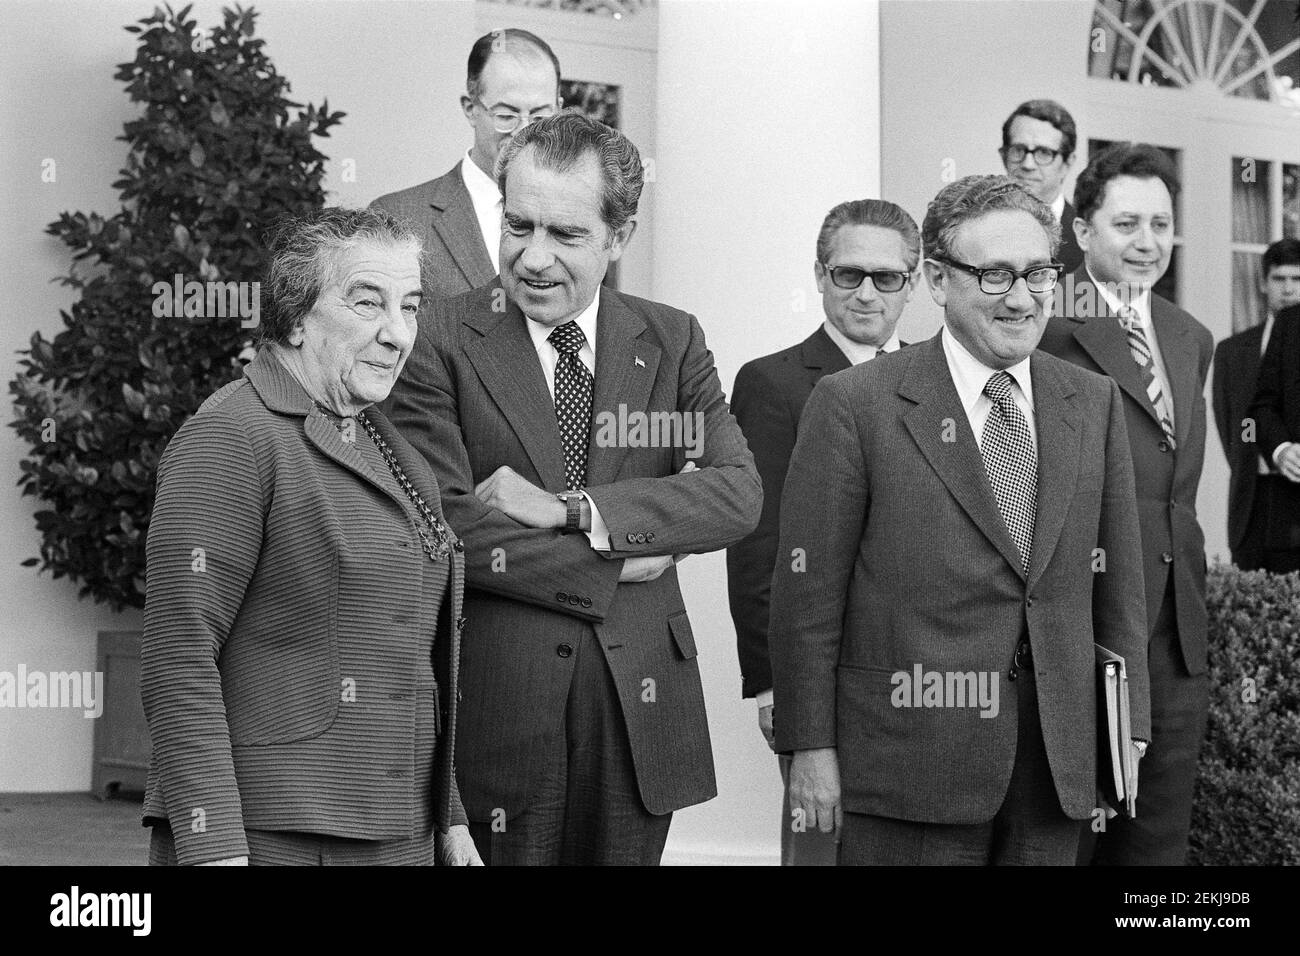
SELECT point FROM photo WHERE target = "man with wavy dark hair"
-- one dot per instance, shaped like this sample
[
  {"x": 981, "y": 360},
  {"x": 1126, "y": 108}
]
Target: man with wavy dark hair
[{"x": 590, "y": 443}]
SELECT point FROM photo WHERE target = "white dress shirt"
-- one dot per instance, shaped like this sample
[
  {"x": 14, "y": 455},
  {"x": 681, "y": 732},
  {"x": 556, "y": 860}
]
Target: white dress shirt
[
  {"x": 1142, "y": 306},
  {"x": 1058, "y": 206},
  {"x": 856, "y": 352},
  {"x": 486, "y": 197},
  {"x": 549, "y": 357},
  {"x": 970, "y": 375}
]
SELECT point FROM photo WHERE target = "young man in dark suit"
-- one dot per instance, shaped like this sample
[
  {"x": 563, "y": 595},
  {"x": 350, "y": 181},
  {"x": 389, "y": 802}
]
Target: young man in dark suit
[
  {"x": 1109, "y": 321},
  {"x": 867, "y": 255},
  {"x": 581, "y": 441},
  {"x": 938, "y": 594},
  {"x": 513, "y": 79},
  {"x": 1038, "y": 142},
  {"x": 1258, "y": 491}
]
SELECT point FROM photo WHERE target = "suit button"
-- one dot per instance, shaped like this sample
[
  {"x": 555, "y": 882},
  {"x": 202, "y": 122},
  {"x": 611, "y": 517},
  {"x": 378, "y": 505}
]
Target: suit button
[
  {"x": 565, "y": 650},
  {"x": 640, "y": 537},
  {"x": 586, "y": 602},
  {"x": 631, "y": 538},
  {"x": 1167, "y": 558},
  {"x": 561, "y": 596},
  {"x": 573, "y": 599},
  {"x": 650, "y": 537},
  {"x": 1164, "y": 445},
  {"x": 1029, "y": 602},
  {"x": 1012, "y": 674},
  {"x": 459, "y": 545}
]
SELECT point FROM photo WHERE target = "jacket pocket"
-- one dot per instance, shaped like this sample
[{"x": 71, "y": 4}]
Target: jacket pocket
[{"x": 680, "y": 626}]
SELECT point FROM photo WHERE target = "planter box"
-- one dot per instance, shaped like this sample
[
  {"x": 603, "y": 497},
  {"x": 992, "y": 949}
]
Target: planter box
[{"x": 121, "y": 758}]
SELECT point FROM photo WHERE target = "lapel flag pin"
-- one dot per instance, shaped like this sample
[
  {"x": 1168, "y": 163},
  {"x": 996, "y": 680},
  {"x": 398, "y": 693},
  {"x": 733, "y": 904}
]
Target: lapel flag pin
[{"x": 639, "y": 363}]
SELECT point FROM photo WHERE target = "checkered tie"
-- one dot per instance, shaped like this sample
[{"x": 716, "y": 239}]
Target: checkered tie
[
  {"x": 1141, "y": 352},
  {"x": 573, "y": 387},
  {"x": 1012, "y": 464}
]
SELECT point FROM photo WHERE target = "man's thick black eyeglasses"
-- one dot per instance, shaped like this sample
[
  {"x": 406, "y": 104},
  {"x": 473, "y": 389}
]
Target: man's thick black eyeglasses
[
  {"x": 998, "y": 281},
  {"x": 1042, "y": 155},
  {"x": 850, "y": 277}
]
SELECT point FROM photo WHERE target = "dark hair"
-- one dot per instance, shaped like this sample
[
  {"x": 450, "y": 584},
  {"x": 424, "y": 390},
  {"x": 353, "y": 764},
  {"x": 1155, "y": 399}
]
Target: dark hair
[
  {"x": 1284, "y": 252},
  {"x": 562, "y": 140},
  {"x": 498, "y": 41},
  {"x": 974, "y": 196},
  {"x": 302, "y": 250},
  {"x": 1138, "y": 160},
  {"x": 871, "y": 212},
  {"x": 1049, "y": 111}
]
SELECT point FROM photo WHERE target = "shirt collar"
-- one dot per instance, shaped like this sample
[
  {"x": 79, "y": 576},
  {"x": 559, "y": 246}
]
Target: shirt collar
[
  {"x": 1058, "y": 206},
  {"x": 970, "y": 375},
  {"x": 586, "y": 320},
  {"x": 1141, "y": 305},
  {"x": 481, "y": 187},
  {"x": 856, "y": 352}
]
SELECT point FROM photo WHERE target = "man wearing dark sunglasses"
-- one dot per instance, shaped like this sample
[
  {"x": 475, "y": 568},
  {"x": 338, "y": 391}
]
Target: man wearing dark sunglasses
[
  {"x": 512, "y": 79},
  {"x": 939, "y": 589},
  {"x": 1038, "y": 140},
  {"x": 867, "y": 255}
]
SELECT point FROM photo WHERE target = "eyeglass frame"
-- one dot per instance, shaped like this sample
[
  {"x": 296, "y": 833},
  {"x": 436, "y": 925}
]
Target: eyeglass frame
[
  {"x": 1055, "y": 267},
  {"x": 519, "y": 117},
  {"x": 1004, "y": 152},
  {"x": 871, "y": 274}
]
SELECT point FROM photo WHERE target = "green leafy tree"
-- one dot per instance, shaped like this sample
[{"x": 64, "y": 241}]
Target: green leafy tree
[{"x": 218, "y": 155}]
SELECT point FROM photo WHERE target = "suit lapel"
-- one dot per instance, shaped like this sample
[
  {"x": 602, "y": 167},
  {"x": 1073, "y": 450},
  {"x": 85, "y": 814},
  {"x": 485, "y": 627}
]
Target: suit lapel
[
  {"x": 507, "y": 364},
  {"x": 1179, "y": 354},
  {"x": 1057, "y": 422},
  {"x": 1101, "y": 336},
  {"x": 456, "y": 224},
  {"x": 626, "y": 366},
  {"x": 928, "y": 383},
  {"x": 821, "y": 354}
]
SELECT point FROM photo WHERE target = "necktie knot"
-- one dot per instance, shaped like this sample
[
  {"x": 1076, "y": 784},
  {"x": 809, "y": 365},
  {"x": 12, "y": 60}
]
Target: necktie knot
[
  {"x": 568, "y": 338},
  {"x": 1128, "y": 317},
  {"x": 998, "y": 387}
]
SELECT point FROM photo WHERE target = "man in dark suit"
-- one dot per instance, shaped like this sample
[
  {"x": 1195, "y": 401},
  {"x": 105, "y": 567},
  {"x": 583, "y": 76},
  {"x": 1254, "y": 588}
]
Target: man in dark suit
[
  {"x": 867, "y": 255},
  {"x": 955, "y": 535},
  {"x": 1038, "y": 141},
  {"x": 581, "y": 440},
  {"x": 513, "y": 79},
  {"x": 1258, "y": 491},
  {"x": 1108, "y": 320}
]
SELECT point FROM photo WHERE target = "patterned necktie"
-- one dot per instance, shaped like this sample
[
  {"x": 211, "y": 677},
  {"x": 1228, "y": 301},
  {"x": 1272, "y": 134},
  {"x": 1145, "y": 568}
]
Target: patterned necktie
[
  {"x": 1012, "y": 464},
  {"x": 573, "y": 388},
  {"x": 1141, "y": 352}
]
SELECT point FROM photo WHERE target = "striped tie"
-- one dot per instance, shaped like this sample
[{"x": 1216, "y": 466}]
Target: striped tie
[{"x": 1141, "y": 352}]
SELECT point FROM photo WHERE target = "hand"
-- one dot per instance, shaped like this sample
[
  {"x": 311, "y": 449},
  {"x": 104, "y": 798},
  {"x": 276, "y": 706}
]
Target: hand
[
  {"x": 1289, "y": 462},
  {"x": 456, "y": 848},
  {"x": 639, "y": 570},
  {"x": 765, "y": 725},
  {"x": 815, "y": 788},
  {"x": 519, "y": 498},
  {"x": 228, "y": 861}
]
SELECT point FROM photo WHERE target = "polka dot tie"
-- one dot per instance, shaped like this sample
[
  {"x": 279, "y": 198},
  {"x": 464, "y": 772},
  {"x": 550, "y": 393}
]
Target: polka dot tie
[
  {"x": 1012, "y": 464},
  {"x": 573, "y": 388}
]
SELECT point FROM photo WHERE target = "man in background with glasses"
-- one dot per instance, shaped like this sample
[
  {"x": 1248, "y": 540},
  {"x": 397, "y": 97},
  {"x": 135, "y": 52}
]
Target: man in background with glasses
[
  {"x": 937, "y": 598},
  {"x": 867, "y": 254},
  {"x": 1109, "y": 320},
  {"x": 1038, "y": 141},
  {"x": 513, "y": 79}
]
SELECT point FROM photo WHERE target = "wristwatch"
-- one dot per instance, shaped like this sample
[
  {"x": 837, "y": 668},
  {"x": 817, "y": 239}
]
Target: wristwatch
[{"x": 573, "y": 510}]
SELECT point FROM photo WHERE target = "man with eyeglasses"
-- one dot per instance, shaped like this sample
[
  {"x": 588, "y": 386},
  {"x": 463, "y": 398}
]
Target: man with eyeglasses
[
  {"x": 513, "y": 79},
  {"x": 867, "y": 254},
  {"x": 935, "y": 603},
  {"x": 1038, "y": 141},
  {"x": 1109, "y": 320}
]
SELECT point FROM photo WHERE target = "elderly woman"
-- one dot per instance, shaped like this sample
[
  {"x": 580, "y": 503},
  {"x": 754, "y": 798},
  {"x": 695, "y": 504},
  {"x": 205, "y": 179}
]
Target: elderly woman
[{"x": 302, "y": 619}]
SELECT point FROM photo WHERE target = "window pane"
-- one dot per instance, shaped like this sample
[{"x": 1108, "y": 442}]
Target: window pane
[
  {"x": 1250, "y": 199},
  {"x": 1169, "y": 284},
  {"x": 1247, "y": 304}
]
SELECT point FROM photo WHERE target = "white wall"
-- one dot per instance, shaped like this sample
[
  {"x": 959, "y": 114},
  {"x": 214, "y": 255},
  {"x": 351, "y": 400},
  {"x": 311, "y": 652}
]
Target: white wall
[{"x": 768, "y": 116}]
